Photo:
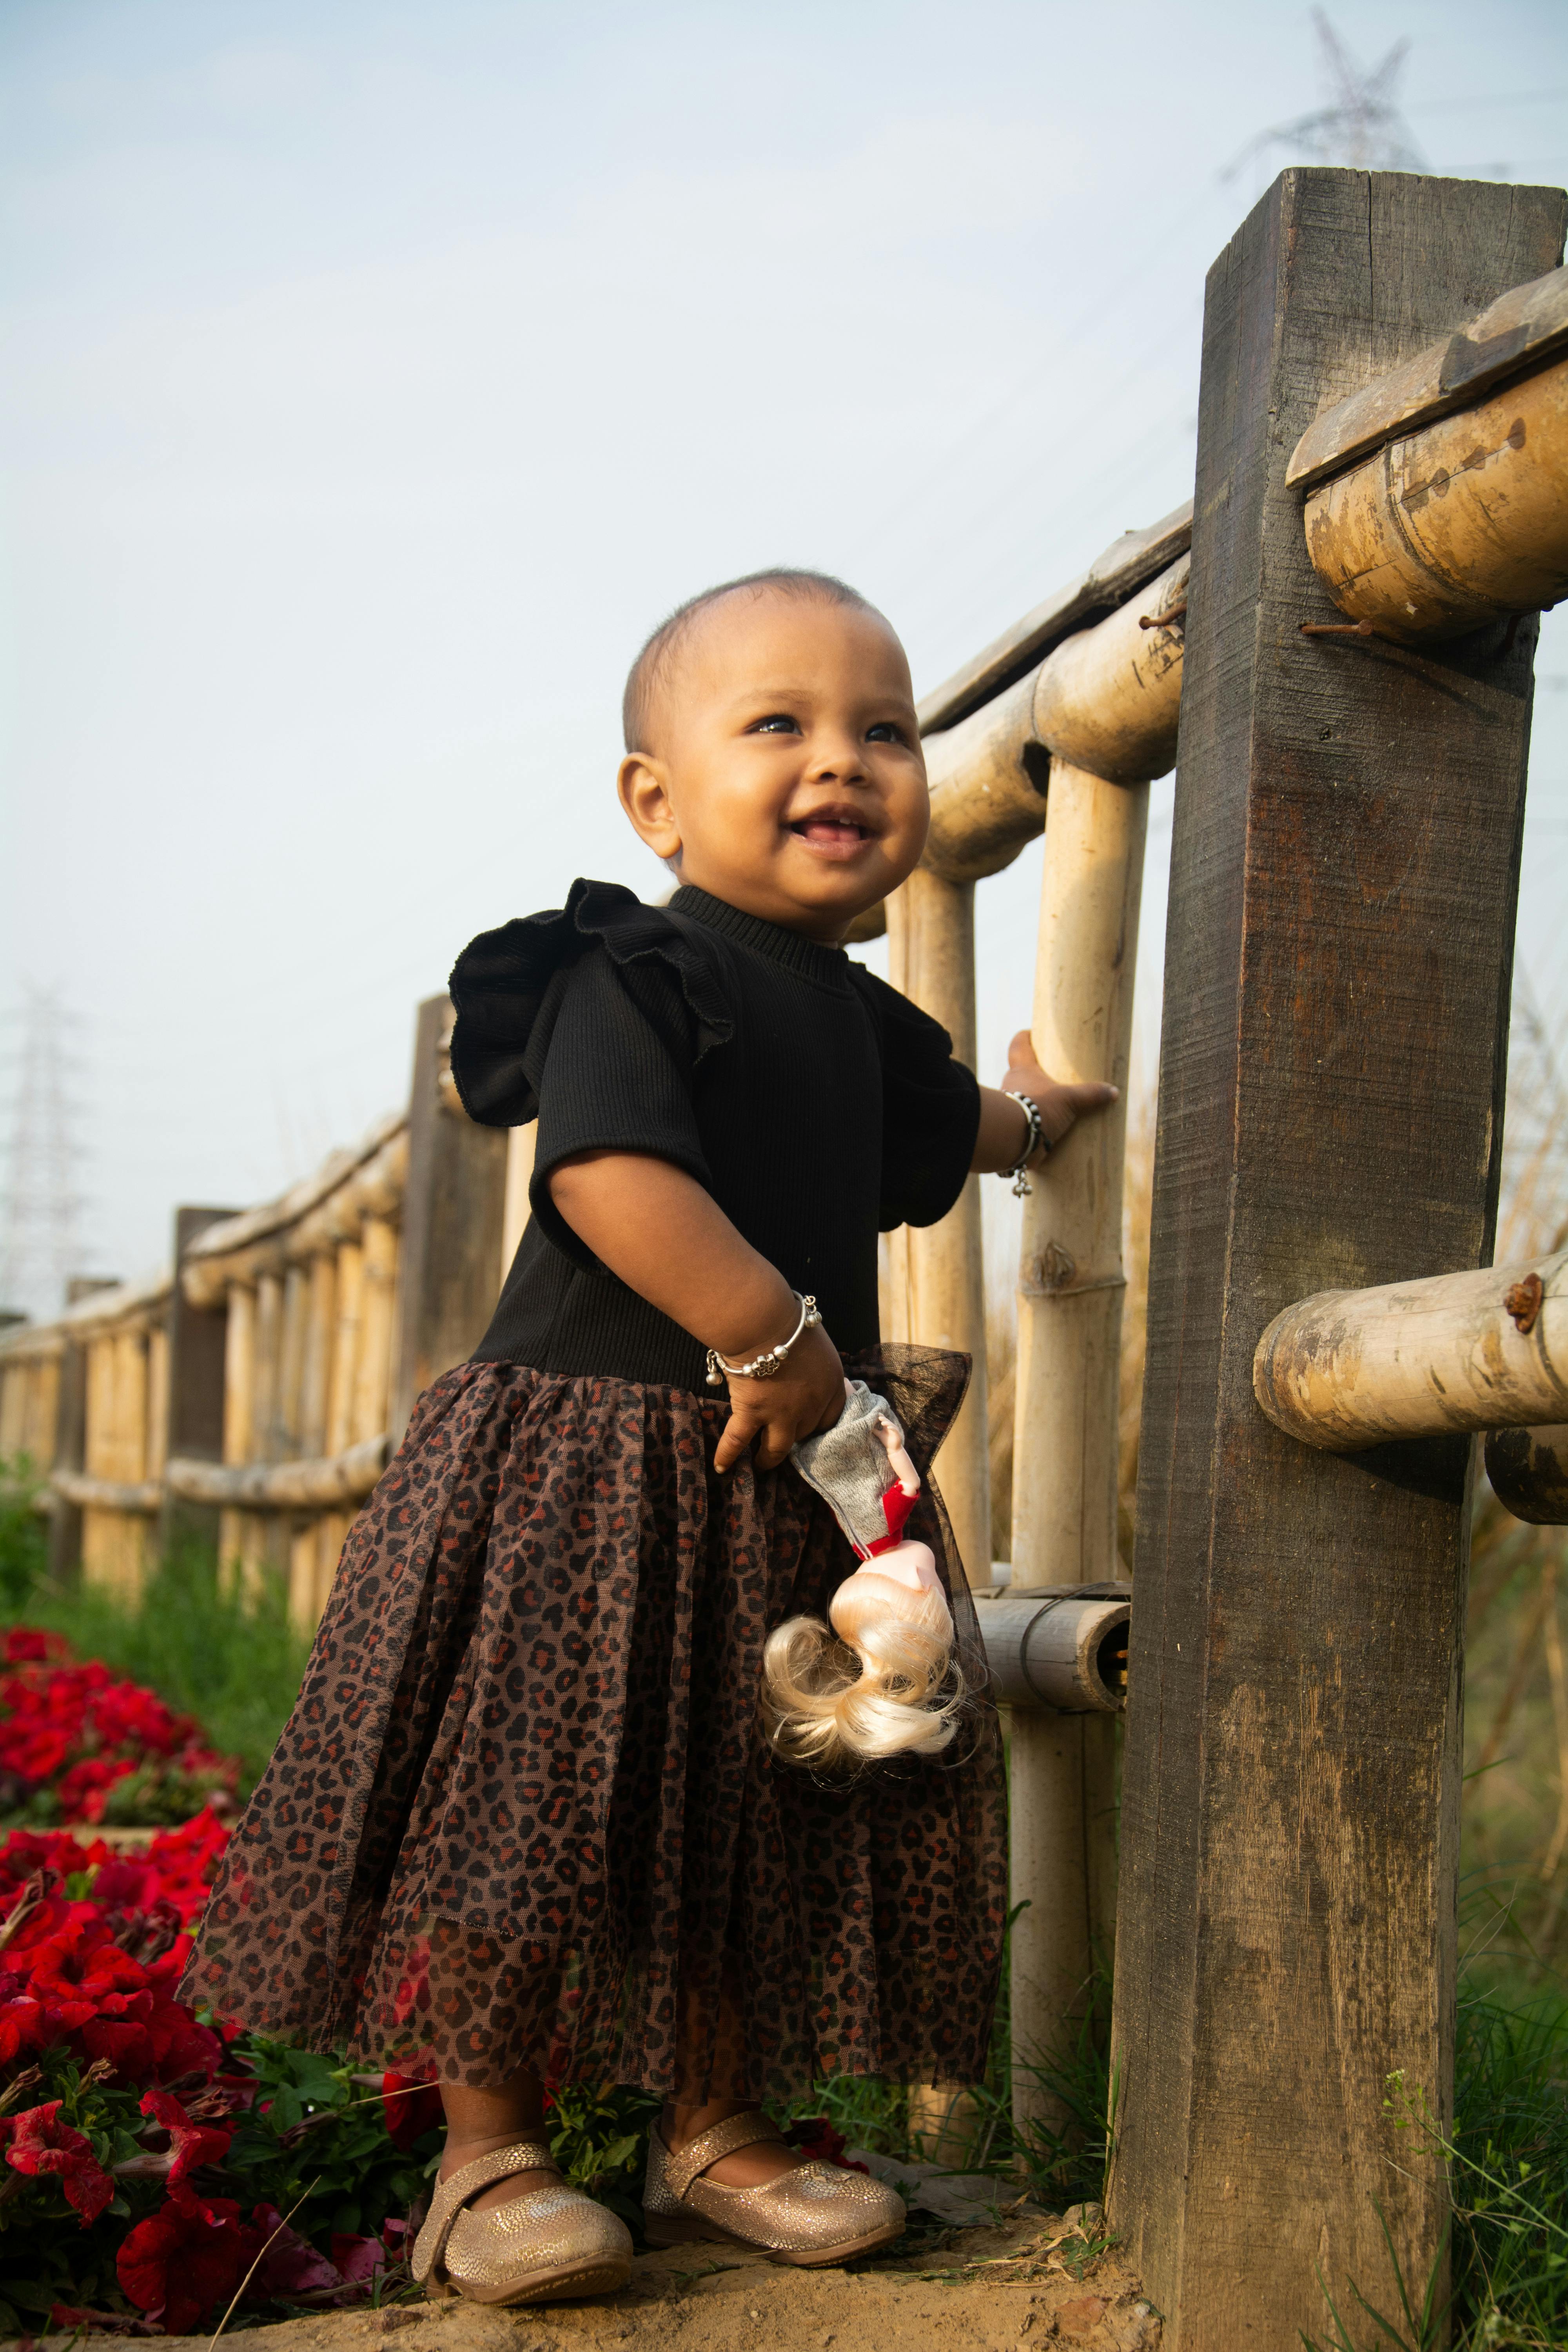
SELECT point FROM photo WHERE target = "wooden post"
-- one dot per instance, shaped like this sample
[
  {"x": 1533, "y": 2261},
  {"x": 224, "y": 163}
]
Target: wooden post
[
  {"x": 1339, "y": 956},
  {"x": 941, "y": 1299},
  {"x": 197, "y": 1340},
  {"x": 1070, "y": 1287},
  {"x": 234, "y": 1548},
  {"x": 451, "y": 1222}
]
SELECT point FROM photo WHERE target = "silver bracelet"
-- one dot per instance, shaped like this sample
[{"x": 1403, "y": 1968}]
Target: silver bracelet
[
  {"x": 771, "y": 1361},
  {"x": 1034, "y": 1141}
]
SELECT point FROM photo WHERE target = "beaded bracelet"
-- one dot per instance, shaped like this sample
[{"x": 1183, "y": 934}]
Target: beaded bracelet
[
  {"x": 1035, "y": 1142},
  {"x": 771, "y": 1361}
]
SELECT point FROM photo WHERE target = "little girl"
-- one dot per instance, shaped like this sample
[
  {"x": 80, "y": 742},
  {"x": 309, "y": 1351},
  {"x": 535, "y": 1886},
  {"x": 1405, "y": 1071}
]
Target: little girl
[{"x": 523, "y": 1825}]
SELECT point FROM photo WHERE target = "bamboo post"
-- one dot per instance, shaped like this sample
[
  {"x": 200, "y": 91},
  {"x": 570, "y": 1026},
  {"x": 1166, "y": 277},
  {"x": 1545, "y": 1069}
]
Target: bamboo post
[
  {"x": 97, "y": 1398},
  {"x": 520, "y": 1148},
  {"x": 321, "y": 1327},
  {"x": 268, "y": 1426},
  {"x": 345, "y": 1346},
  {"x": 69, "y": 1454},
  {"x": 940, "y": 1298},
  {"x": 235, "y": 1546},
  {"x": 291, "y": 1380},
  {"x": 1070, "y": 1287},
  {"x": 378, "y": 1311}
]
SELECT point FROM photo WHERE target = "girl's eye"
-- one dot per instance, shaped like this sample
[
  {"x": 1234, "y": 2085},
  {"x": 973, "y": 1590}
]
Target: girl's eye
[
  {"x": 884, "y": 731},
  {"x": 778, "y": 722}
]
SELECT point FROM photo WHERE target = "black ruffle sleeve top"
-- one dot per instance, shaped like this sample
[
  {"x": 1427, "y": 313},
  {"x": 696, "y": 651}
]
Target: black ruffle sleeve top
[{"x": 815, "y": 1104}]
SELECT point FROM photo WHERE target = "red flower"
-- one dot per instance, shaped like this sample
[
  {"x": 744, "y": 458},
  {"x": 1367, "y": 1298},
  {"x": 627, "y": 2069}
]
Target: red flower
[
  {"x": 187, "y": 2260},
  {"x": 40, "y": 2144},
  {"x": 411, "y": 2107},
  {"x": 816, "y": 2138},
  {"x": 190, "y": 2144},
  {"x": 358, "y": 2260},
  {"x": 290, "y": 2266}
]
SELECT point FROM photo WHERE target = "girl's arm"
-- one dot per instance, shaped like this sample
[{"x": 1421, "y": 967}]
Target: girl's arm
[
  {"x": 1003, "y": 1126},
  {"x": 670, "y": 1242}
]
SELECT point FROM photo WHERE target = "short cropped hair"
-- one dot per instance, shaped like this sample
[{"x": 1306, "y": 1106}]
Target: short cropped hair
[{"x": 656, "y": 660}]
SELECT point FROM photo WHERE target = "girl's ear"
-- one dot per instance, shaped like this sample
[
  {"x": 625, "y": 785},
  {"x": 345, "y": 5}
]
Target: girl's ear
[{"x": 642, "y": 783}]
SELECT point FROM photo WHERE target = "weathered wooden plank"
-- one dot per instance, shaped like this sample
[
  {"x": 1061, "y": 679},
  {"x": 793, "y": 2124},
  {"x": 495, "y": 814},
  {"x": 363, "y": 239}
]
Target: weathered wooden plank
[
  {"x": 196, "y": 1349},
  {"x": 453, "y": 1209},
  {"x": 1339, "y": 956},
  {"x": 1522, "y": 329},
  {"x": 1112, "y": 579}
]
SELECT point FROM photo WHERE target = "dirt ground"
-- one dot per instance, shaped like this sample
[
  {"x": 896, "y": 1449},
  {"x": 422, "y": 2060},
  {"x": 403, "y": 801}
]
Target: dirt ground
[{"x": 938, "y": 2291}]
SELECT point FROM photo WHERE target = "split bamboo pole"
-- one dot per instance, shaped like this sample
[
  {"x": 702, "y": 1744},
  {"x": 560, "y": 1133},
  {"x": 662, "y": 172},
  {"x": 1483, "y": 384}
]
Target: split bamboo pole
[
  {"x": 345, "y": 1345},
  {"x": 378, "y": 1314},
  {"x": 296, "y": 1335},
  {"x": 240, "y": 1433},
  {"x": 1071, "y": 1291},
  {"x": 316, "y": 1378},
  {"x": 267, "y": 1428},
  {"x": 939, "y": 1285}
]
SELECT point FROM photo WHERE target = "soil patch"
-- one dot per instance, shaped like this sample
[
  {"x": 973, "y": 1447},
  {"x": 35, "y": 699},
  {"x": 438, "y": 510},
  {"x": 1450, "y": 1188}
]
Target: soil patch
[{"x": 1024, "y": 2283}]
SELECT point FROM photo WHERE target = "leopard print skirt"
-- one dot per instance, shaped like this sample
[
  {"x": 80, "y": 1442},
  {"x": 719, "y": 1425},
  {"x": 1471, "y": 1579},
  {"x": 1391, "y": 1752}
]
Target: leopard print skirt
[{"x": 522, "y": 1815}]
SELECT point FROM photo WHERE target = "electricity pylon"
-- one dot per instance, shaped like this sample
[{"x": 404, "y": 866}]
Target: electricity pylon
[
  {"x": 1360, "y": 125},
  {"x": 40, "y": 1209}
]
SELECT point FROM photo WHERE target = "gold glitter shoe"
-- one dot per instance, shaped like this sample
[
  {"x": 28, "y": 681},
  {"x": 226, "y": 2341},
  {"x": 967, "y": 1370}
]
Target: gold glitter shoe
[
  {"x": 547, "y": 2243},
  {"x": 818, "y": 2213}
]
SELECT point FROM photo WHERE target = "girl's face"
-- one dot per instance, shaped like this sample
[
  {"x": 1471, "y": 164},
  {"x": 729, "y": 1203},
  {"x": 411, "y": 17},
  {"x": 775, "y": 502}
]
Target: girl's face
[{"x": 787, "y": 776}]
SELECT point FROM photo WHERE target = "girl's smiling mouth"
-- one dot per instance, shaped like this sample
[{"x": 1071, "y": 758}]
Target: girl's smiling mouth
[{"x": 836, "y": 834}]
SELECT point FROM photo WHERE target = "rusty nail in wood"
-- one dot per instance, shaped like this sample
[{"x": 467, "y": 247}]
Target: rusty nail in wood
[
  {"x": 1163, "y": 620},
  {"x": 1338, "y": 629},
  {"x": 1523, "y": 1301}
]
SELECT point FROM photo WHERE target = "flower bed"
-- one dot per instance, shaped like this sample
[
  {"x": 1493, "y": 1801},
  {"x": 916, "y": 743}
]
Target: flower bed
[
  {"x": 80, "y": 1744},
  {"x": 157, "y": 2166}
]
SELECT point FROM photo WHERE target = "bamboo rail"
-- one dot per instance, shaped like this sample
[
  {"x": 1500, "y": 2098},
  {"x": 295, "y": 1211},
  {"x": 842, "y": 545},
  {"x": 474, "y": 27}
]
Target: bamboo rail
[
  {"x": 309, "y": 1282},
  {"x": 1528, "y": 1473},
  {"x": 1459, "y": 515},
  {"x": 1348, "y": 1369}
]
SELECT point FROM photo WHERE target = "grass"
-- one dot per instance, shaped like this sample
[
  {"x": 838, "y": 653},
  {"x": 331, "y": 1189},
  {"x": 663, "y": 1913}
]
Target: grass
[
  {"x": 234, "y": 1663},
  {"x": 1507, "y": 2161}
]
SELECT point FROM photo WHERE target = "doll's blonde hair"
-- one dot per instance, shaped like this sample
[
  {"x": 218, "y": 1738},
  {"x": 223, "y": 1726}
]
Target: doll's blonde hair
[{"x": 885, "y": 1683}]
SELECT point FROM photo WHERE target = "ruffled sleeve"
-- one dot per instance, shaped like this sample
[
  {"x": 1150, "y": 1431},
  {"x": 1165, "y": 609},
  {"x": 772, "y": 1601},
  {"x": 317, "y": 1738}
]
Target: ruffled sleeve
[
  {"x": 508, "y": 987},
  {"x": 931, "y": 1111}
]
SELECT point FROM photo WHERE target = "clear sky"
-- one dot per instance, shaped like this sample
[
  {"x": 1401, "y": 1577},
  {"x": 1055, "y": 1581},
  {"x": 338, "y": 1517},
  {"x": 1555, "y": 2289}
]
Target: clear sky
[{"x": 375, "y": 376}]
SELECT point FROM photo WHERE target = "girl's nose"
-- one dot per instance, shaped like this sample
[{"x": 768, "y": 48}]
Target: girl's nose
[{"x": 836, "y": 758}]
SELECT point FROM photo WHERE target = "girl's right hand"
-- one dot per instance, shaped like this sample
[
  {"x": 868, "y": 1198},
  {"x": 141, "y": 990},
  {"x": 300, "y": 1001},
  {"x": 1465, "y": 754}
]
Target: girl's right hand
[{"x": 805, "y": 1396}]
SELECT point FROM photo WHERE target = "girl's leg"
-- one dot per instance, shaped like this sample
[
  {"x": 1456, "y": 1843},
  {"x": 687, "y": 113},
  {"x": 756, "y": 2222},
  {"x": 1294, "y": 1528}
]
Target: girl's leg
[
  {"x": 479, "y": 2122},
  {"x": 681, "y": 2121}
]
